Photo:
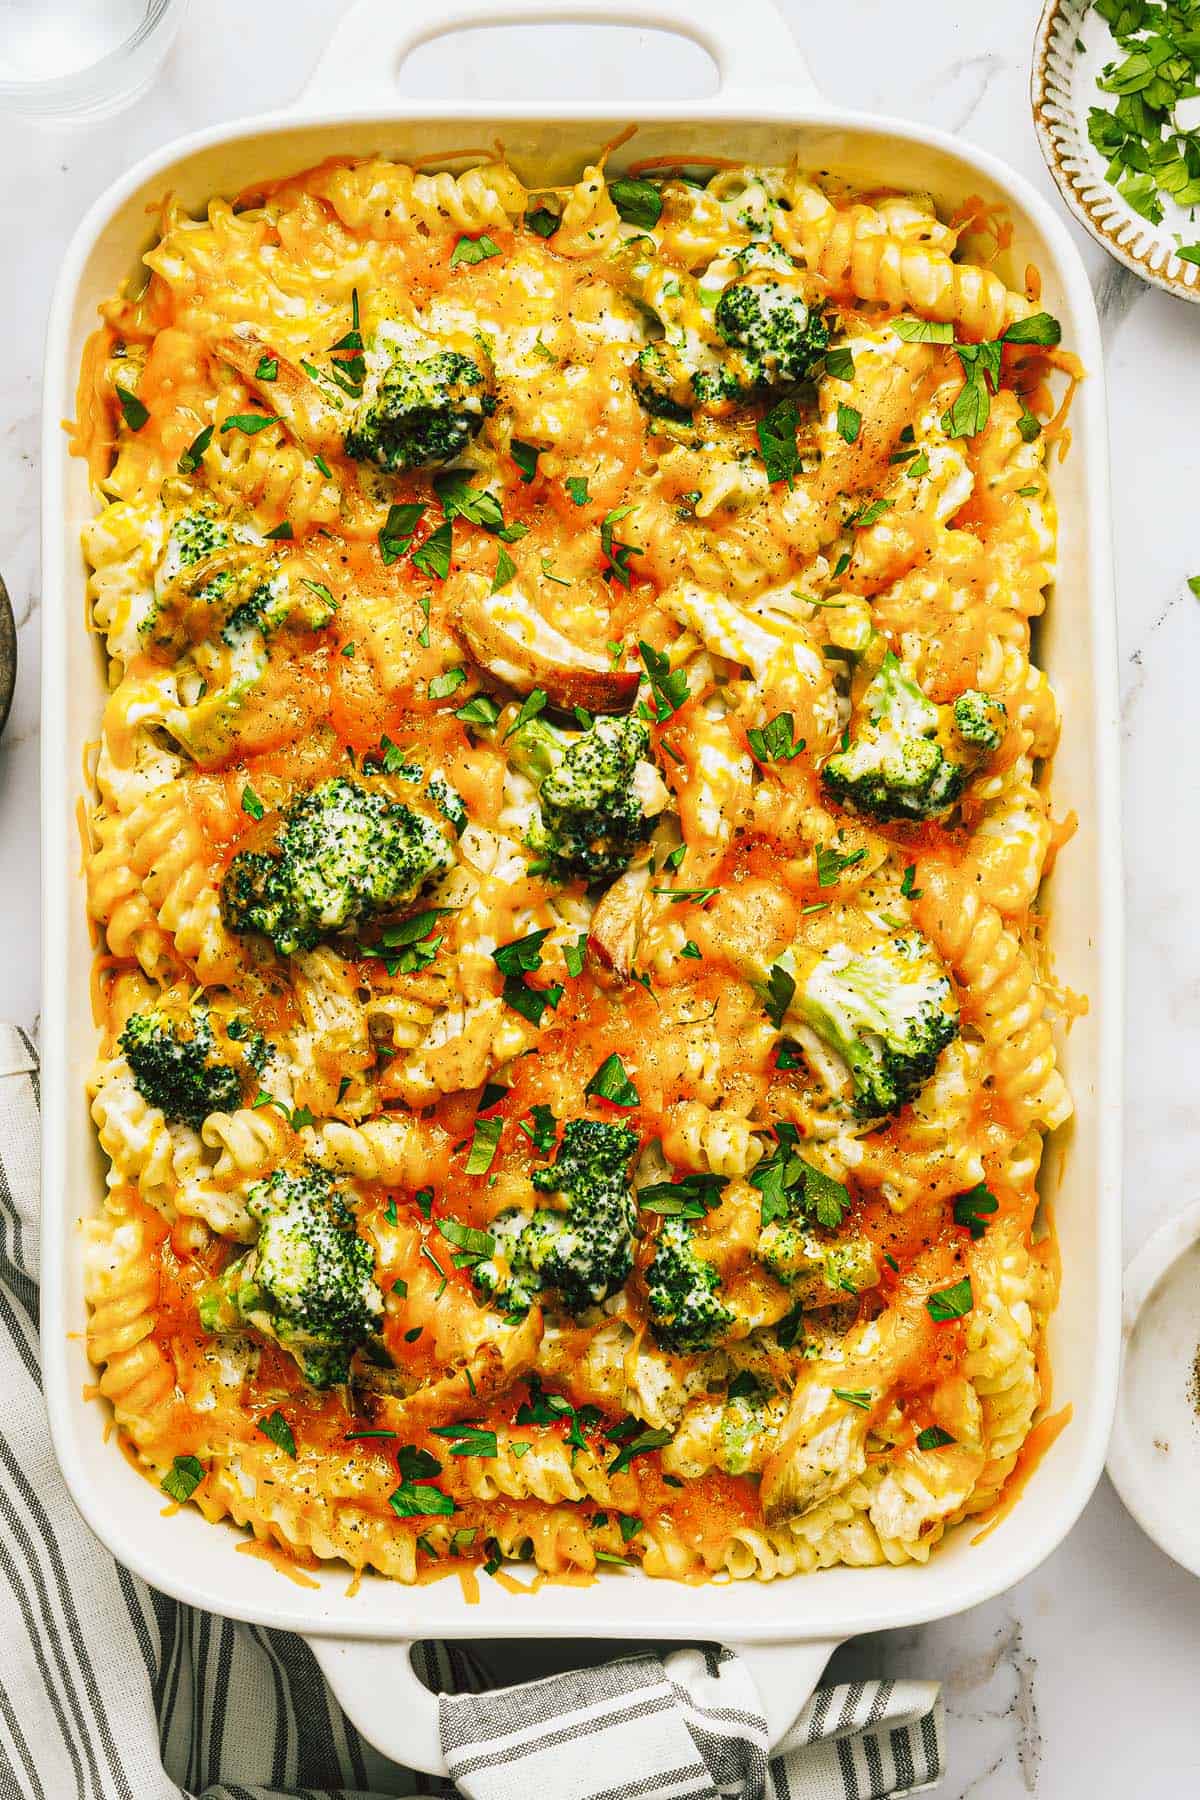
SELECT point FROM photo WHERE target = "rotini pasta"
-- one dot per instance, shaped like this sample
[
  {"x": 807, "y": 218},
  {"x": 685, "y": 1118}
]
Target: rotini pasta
[{"x": 567, "y": 837}]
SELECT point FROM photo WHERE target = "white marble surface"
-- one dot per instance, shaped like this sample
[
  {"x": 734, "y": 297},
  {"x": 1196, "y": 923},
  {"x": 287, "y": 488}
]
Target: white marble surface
[{"x": 1081, "y": 1682}]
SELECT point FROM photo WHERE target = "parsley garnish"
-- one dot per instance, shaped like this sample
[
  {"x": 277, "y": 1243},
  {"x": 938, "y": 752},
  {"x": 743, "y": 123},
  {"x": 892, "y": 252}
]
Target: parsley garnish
[
  {"x": 250, "y": 423},
  {"x": 282, "y": 533},
  {"x": 849, "y": 423},
  {"x": 611, "y": 1083},
  {"x": 447, "y": 683},
  {"x": 525, "y": 457},
  {"x": 433, "y": 558},
  {"x": 279, "y": 1431},
  {"x": 251, "y": 803},
  {"x": 540, "y": 1127},
  {"x": 618, "y": 554},
  {"x": 690, "y": 1197},
  {"x": 480, "y": 709},
  {"x": 542, "y": 221},
  {"x": 933, "y": 1438},
  {"x": 533, "y": 703},
  {"x": 189, "y": 462},
  {"x": 860, "y": 1397},
  {"x": 638, "y": 202},
  {"x": 640, "y": 1445},
  {"x": 506, "y": 568},
  {"x": 669, "y": 688},
  {"x": 183, "y": 1478},
  {"x": 971, "y": 1208},
  {"x": 776, "y": 740},
  {"x": 777, "y": 442},
  {"x": 831, "y": 863},
  {"x": 396, "y": 533},
  {"x": 473, "y": 250},
  {"x": 268, "y": 368},
  {"x": 414, "y": 1498},
  {"x": 839, "y": 362},
  {"x": 577, "y": 487},
  {"x": 780, "y": 990},
  {"x": 906, "y": 886},
  {"x": 468, "y": 1440},
  {"x": 132, "y": 409},
  {"x": 952, "y": 1302},
  {"x": 458, "y": 499}
]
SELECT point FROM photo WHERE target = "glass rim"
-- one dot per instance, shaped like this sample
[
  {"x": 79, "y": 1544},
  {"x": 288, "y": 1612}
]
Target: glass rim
[{"x": 83, "y": 79}]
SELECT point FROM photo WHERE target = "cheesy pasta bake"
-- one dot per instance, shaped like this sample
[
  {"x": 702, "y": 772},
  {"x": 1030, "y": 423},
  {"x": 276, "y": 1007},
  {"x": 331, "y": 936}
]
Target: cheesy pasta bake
[{"x": 565, "y": 849}]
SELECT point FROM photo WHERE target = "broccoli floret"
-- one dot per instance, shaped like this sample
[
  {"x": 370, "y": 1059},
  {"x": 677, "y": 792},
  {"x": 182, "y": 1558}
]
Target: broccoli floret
[
  {"x": 592, "y": 814},
  {"x": 584, "y": 1252},
  {"x": 418, "y": 409},
  {"x": 276, "y": 602},
  {"x": 911, "y": 759},
  {"x": 663, "y": 385},
  {"x": 308, "y": 1281},
  {"x": 980, "y": 720},
  {"x": 177, "y": 1066},
  {"x": 814, "y": 1266},
  {"x": 777, "y": 336},
  {"x": 345, "y": 854},
  {"x": 888, "y": 1012},
  {"x": 683, "y": 1292}
]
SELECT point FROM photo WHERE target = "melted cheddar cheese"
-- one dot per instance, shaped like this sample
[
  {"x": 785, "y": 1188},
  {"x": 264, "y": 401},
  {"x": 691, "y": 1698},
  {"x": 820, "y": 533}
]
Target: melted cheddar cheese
[{"x": 398, "y": 473}]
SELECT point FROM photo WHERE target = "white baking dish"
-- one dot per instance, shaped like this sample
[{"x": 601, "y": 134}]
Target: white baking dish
[{"x": 765, "y": 111}]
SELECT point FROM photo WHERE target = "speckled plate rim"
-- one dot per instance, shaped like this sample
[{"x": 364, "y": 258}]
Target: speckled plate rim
[
  {"x": 1141, "y": 1488},
  {"x": 1126, "y": 236}
]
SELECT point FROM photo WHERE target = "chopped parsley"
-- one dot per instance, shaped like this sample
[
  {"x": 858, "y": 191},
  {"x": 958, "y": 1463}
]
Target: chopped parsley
[
  {"x": 433, "y": 558},
  {"x": 183, "y": 1478},
  {"x": 972, "y": 1208},
  {"x": 638, "y": 202},
  {"x": 276, "y": 1427},
  {"x": 777, "y": 442},
  {"x": 473, "y": 250},
  {"x": 952, "y": 1302},
  {"x": 611, "y": 1083},
  {"x": 134, "y": 413},
  {"x": 775, "y": 741}
]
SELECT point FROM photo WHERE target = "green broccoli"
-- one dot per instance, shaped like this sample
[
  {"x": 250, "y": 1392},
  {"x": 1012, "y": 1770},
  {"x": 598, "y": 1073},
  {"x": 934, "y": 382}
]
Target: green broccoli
[
  {"x": 888, "y": 1012},
  {"x": 592, "y": 815},
  {"x": 980, "y": 720},
  {"x": 911, "y": 759},
  {"x": 308, "y": 1281},
  {"x": 769, "y": 336},
  {"x": 775, "y": 335},
  {"x": 671, "y": 382},
  {"x": 177, "y": 1065},
  {"x": 345, "y": 854},
  {"x": 584, "y": 1253},
  {"x": 683, "y": 1292},
  {"x": 816, "y": 1267},
  {"x": 420, "y": 405}
]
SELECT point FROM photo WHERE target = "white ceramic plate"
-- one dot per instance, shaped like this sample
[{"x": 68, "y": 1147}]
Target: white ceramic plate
[
  {"x": 1154, "y": 1457},
  {"x": 1071, "y": 48}
]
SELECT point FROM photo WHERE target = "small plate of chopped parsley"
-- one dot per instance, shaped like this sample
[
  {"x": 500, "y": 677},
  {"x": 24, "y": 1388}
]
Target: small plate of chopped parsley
[{"x": 1116, "y": 104}]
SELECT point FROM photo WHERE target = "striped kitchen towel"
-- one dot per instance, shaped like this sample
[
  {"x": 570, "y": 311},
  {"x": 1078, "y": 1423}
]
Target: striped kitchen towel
[{"x": 110, "y": 1691}]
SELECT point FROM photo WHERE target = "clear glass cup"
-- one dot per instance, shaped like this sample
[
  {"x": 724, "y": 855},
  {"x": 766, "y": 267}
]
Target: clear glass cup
[{"x": 80, "y": 59}]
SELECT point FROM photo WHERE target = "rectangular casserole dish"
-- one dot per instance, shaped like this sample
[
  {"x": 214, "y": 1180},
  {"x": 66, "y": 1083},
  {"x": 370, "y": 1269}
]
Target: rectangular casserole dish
[{"x": 765, "y": 111}]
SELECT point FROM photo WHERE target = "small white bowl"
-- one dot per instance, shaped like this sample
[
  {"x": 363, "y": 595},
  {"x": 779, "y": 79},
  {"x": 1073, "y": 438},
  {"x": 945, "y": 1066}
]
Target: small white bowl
[
  {"x": 1154, "y": 1455},
  {"x": 1070, "y": 50}
]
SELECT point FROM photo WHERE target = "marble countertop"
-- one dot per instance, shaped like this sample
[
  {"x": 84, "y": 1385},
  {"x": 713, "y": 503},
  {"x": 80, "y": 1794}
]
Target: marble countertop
[{"x": 1080, "y": 1681}]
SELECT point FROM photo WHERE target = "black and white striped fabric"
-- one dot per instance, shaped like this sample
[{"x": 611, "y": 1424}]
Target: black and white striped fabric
[{"x": 110, "y": 1691}]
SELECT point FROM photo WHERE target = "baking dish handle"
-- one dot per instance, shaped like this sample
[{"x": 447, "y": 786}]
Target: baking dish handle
[
  {"x": 750, "y": 43},
  {"x": 378, "y": 1689}
]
